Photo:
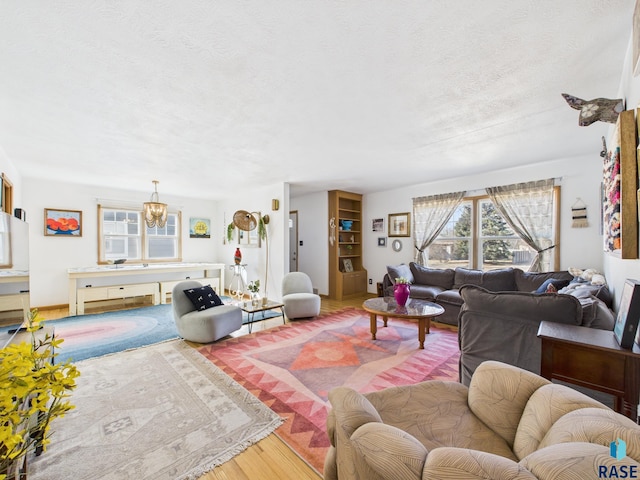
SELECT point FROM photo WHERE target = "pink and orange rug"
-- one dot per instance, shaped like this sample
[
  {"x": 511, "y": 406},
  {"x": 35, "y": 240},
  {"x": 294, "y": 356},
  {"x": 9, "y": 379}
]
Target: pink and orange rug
[{"x": 292, "y": 368}]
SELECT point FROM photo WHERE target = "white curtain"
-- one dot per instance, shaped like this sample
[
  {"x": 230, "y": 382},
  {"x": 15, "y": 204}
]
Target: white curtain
[
  {"x": 430, "y": 215},
  {"x": 528, "y": 209}
]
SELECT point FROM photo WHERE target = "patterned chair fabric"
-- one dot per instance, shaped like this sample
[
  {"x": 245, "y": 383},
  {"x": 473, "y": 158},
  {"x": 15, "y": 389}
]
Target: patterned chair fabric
[{"x": 508, "y": 424}]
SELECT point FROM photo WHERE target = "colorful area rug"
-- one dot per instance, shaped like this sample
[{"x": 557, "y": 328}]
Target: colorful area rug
[
  {"x": 292, "y": 368},
  {"x": 94, "y": 335},
  {"x": 159, "y": 412}
]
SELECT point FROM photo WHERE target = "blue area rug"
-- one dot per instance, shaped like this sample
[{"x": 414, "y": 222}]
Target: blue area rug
[{"x": 94, "y": 335}]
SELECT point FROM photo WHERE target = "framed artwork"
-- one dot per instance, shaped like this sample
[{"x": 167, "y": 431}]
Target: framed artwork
[
  {"x": 377, "y": 225},
  {"x": 628, "y": 314},
  {"x": 348, "y": 266},
  {"x": 199, "y": 228},
  {"x": 620, "y": 184},
  {"x": 382, "y": 241},
  {"x": 62, "y": 222},
  {"x": 399, "y": 224}
]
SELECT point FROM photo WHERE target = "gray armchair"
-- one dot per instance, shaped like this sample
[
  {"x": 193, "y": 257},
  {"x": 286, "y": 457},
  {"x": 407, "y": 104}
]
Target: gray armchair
[
  {"x": 298, "y": 297},
  {"x": 202, "y": 326}
]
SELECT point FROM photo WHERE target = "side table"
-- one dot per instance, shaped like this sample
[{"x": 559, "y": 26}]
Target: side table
[
  {"x": 251, "y": 310},
  {"x": 593, "y": 359}
]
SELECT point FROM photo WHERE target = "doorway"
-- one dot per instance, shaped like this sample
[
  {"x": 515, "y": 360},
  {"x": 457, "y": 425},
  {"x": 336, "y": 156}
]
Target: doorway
[{"x": 293, "y": 241}]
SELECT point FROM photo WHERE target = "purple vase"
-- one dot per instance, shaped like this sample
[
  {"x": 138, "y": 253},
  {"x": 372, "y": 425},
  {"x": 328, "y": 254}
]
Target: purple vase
[{"x": 401, "y": 293}]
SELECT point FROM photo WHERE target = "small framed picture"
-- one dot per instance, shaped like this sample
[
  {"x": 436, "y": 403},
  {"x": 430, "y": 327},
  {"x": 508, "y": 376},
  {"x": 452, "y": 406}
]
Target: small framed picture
[
  {"x": 382, "y": 241},
  {"x": 199, "y": 228},
  {"x": 348, "y": 266},
  {"x": 377, "y": 225},
  {"x": 62, "y": 222},
  {"x": 399, "y": 224},
  {"x": 628, "y": 314}
]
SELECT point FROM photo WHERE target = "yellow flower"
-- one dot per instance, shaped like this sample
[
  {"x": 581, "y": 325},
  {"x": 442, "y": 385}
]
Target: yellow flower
[{"x": 32, "y": 388}]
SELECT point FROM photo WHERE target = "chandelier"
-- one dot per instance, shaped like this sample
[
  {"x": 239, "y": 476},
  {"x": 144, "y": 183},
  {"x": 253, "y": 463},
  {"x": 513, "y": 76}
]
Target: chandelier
[{"x": 155, "y": 213}]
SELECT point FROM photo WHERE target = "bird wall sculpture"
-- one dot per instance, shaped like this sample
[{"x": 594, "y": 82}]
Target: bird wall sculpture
[{"x": 596, "y": 110}]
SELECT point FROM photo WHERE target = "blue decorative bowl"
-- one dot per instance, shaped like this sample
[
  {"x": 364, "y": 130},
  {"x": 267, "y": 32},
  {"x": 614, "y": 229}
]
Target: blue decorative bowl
[{"x": 346, "y": 224}]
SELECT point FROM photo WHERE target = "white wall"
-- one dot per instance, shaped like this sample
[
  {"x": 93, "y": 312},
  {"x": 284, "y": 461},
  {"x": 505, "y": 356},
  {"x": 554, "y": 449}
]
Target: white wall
[
  {"x": 579, "y": 247},
  {"x": 259, "y": 200},
  {"x": 11, "y": 172},
  {"x": 615, "y": 269},
  {"x": 51, "y": 256},
  {"x": 313, "y": 231}
]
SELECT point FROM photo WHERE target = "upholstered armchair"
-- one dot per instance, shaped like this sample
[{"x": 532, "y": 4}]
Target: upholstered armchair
[
  {"x": 298, "y": 297},
  {"x": 204, "y": 325},
  {"x": 508, "y": 424}
]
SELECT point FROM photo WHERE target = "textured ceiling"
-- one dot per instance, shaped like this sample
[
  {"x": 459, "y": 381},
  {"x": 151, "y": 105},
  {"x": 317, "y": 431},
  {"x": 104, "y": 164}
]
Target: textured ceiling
[{"x": 363, "y": 95}]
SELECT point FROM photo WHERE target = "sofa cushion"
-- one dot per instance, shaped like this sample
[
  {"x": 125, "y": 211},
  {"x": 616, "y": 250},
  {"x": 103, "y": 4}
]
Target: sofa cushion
[
  {"x": 398, "y": 271},
  {"x": 499, "y": 394},
  {"x": 494, "y": 280},
  {"x": 451, "y": 297},
  {"x": 531, "y": 281},
  {"x": 432, "y": 276},
  {"x": 425, "y": 292},
  {"x": 544, "y": 408},
  {"x": 547, "y": 306},
  {"x": 203, "y": 297},
  {"x": 596, "y": 314}
]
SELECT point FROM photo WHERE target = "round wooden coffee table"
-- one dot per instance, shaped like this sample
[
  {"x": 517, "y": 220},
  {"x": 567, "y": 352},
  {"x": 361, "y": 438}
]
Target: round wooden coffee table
[{"x": 386, "y": 307}]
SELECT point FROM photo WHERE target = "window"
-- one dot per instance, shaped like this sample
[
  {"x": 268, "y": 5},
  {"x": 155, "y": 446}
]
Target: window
[
  {"x": 452, "y": 247},
  {"x": 477, "y": 236},
  {"x": 498, "y": 244},
  {"x": 123, "y": 234},
  {"x": 6, "y": 190}
]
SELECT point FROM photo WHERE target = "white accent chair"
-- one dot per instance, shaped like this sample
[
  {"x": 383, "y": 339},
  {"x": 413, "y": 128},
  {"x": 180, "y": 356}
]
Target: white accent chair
[
  {"x": 202, "y": 326},
  {"x": 298, "y": 297}
]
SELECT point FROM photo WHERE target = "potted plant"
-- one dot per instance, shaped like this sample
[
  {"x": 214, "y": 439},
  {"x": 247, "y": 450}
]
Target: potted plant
[
  {"x": 401, "y": 290},
  {"x": 254, "y": 288},
  {"x": 230, "y": 229},
  {"x": 34, "y": 390}
]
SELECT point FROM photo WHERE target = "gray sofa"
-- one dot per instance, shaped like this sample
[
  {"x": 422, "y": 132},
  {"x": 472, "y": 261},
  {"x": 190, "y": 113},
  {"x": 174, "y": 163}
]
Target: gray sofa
[
  {"x": 442, "y": 286},
  {"x": 503, "y": 326}
]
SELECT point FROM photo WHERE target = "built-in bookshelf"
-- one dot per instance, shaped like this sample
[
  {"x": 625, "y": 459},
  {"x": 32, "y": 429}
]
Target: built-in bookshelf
[{"x": 347, "y": 275}]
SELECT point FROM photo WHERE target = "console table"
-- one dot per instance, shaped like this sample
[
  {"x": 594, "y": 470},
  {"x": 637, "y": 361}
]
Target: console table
[
  {"x": 116, "y": 281},
  {"x": 14, "y": 291},
  {"x": 593, "y": 359}
]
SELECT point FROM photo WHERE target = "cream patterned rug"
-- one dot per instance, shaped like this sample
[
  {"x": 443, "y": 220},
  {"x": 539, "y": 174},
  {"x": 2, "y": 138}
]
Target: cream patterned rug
[{"x": 158, "y": 412}]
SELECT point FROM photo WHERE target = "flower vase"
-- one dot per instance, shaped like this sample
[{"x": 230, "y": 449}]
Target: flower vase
[
  {"x": 401, "y": 293},
  {"x": 255, "y": 299},
  {"x": 237, "y": 257}
]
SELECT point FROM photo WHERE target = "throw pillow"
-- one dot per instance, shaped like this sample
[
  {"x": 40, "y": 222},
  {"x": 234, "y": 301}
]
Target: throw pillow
[
  {"x": 400, "y": 271},
  {"x": 555, "y": 283},
  {"x": 203, "y": 297},
  {"x": 500, "y": 280}
]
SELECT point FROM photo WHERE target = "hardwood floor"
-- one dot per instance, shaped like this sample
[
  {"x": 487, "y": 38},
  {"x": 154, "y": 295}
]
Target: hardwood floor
[{"x": 270, "y": 458}]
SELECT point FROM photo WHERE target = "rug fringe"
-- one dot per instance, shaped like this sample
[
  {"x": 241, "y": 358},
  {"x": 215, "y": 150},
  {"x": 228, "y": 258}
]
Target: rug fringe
[{"x": 203, "y": 469}]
